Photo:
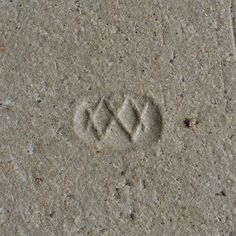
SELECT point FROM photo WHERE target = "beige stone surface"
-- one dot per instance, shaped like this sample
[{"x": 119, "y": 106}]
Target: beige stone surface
[{"x": 117, "y": 117}]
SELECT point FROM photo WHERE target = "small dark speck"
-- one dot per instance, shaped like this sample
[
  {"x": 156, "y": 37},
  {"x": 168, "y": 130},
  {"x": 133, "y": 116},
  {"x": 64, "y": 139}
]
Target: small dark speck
[
  {"x": 173, "y": 58},
  {"x": 190, "y": 122},
  {"x": 52, "y": 213},
  {"x": 39, "y": 179},
  {"x": 128, "y": 183},
  {"x": 132, "y": 216},
  {"x": 221, "y": 193},
  {"x": 69, "y": 196}
]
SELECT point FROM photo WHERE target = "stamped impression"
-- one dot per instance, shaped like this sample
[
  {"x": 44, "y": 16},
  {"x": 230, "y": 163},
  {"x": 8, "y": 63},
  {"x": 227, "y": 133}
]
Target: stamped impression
[{"x": 118, "y": 121}]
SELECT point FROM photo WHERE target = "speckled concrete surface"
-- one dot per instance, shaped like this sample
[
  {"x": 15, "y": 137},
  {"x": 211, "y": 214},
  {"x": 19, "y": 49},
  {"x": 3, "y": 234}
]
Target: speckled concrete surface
[{"x": 117, "y": 117}]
